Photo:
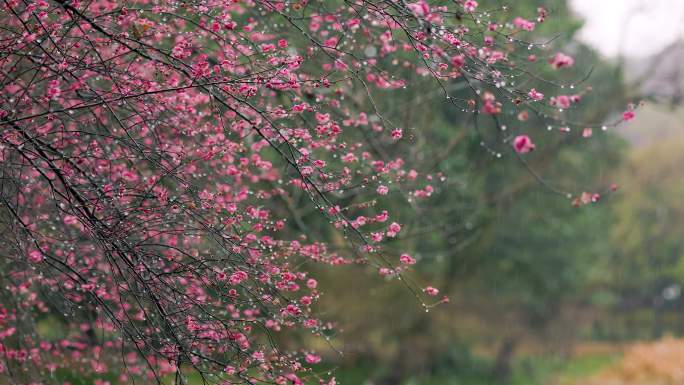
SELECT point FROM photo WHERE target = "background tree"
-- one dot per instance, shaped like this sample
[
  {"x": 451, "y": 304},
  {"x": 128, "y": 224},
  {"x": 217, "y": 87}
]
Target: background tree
[{"x": 511, "y": 256}]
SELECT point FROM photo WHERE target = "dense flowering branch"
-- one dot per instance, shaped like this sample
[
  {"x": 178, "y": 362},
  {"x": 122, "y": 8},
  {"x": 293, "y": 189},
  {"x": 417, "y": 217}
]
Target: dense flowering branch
[{"x": 151, "y": 153}]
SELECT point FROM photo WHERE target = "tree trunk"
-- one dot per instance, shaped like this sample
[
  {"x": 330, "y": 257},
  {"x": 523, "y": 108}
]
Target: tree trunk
[{"x": 501, "y": 373}]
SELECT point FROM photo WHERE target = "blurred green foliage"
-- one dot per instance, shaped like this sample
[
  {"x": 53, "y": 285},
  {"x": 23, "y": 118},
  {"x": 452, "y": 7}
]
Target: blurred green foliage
[{"x": 522, "y": 266}]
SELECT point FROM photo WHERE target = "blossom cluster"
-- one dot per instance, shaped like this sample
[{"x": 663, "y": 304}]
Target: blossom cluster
[{"x": 157, "y": 157}]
